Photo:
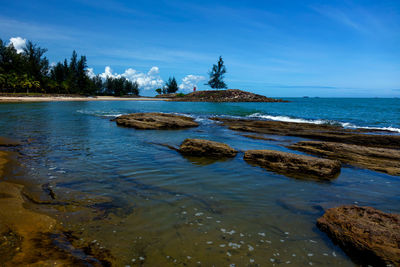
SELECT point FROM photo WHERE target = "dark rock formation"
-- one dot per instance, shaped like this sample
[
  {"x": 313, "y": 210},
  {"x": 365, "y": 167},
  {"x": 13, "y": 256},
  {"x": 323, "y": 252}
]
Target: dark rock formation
[
  {"x": 293, "y": 165},
  {"x": 153, "y": 121},
  {"x": 369, "y": 236},
  {"x": 231, "y": 95},
  {"x": 314, "y": 131},
  {"x": 377, "y": 159},
  {"x": 206, "y": 148}
]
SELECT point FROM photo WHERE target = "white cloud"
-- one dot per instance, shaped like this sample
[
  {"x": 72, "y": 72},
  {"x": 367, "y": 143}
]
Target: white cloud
[
  {"x": 90, "y": 72},
  {"x": 190, "y": 81},
  {"x": 18, "y": 43},
  {"x": 146, "y": 81}
]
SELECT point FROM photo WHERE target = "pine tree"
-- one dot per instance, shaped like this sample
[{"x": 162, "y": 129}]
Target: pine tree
[
  {"x": 217, "y": 75},
  {"x": 172, "y": 85}
]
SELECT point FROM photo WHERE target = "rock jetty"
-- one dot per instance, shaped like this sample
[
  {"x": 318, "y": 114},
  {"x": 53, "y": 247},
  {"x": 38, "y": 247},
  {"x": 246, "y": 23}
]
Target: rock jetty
[
  {"x": 293, "y": 165},
  {"x": 155, "y": 121},
  {"x": 206, "y": 148},
  {"x": 364, "y": 233},
  {"x": 378, "y": 159}
]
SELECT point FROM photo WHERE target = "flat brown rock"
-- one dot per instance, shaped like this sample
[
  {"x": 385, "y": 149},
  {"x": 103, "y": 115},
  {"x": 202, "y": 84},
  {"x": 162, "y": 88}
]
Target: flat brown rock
[
  {"x": 154, "y": 121},
  {"x": 293, "y": 165},
  {"x": 206, "y": 148},
  {"x": 377, "y": 159},
  {"x": 364, "y": 233},
  {"x": 320, "y": 132}
]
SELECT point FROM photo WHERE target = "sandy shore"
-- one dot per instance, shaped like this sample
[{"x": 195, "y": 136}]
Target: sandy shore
[{"x": 8, "y": 99}]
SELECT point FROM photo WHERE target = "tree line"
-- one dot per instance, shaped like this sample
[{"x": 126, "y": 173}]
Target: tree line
[{"x": 29, "y": 72}]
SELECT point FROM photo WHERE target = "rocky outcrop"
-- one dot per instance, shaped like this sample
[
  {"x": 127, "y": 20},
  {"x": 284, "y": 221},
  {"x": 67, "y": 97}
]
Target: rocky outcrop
[
  {"x": 321, "y": 132},
  {"x": 364, "y": 233},
  {"x": 231, "y": 95},
  {"x": 293, "y": 165},
  {"x": 378, "y": 159},
  {"x": 206, "y": 148},
  {"x": 155, "y": 121}
]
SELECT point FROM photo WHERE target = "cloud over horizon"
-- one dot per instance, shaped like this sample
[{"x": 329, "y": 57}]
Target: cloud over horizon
[
  {"x": 190, "y": 81},
  {"x": 150, "y": 80},
  {"x": 146, "y": 81},
  {"x": 18, "y": 43}
]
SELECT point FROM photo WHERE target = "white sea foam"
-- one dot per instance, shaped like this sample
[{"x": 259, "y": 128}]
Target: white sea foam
[
  {"x": 300, "y": 120},
  {"x": 97, "y": 113}
]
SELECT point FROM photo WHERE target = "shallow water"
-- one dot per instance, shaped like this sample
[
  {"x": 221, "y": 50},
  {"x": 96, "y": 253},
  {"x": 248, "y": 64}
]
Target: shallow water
[{"x": 164, "y": 209}]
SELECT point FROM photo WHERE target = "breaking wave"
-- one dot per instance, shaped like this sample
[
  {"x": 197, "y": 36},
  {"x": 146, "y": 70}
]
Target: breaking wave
[{"x": 319, "y": 121}]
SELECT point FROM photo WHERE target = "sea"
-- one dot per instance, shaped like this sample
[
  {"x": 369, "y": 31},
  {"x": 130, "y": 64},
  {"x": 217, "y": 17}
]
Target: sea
[{"x": 150, "y": 206}]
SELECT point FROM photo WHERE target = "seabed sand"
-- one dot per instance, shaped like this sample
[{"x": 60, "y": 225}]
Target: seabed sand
[
  {"x": 29, "y": 238},
  {"x": 7, "y": 99}
]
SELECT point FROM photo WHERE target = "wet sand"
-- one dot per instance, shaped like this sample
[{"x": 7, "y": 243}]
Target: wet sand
[{"x": 10, "y": 99}]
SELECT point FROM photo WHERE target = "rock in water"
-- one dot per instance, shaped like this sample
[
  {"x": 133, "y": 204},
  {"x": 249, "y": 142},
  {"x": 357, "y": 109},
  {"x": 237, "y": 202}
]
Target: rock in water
[
  {"x": 322, "y": 132},
  {"x": 378, "y": 159},
  {"x": 206, "y": 148},
  {"x": 293, "y": 165},
  {"x": 364, "y": 233},
  {"x": 154, "y": 121}
]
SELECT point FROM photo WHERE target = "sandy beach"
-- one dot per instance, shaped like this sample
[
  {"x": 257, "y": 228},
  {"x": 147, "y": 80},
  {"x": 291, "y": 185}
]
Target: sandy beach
[{"x": 13, "y": 99}]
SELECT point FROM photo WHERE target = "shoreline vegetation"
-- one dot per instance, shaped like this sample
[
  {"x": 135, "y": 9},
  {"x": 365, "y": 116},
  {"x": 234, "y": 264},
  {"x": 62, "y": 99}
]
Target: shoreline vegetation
[
  {"x": 29, "y": 72},
  {"x": 21, "y": 226}
]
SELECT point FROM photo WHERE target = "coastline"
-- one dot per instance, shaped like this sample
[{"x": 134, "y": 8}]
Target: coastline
[
  {"x": 16, "y": 99},
  {"x": 80, "y": 222}
]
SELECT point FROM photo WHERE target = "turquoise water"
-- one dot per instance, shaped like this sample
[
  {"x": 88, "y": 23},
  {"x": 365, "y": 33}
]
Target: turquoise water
[{"x": 161, "y": 209}]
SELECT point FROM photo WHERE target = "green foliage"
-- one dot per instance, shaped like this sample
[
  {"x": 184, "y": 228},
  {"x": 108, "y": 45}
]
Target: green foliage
[
  {"x": 171, "y": 85},
  {"x": 29, "y": 72},
  {"x": 217, "y": 75},
  {"x": 159, "y": 91},
  {"x": 180, "y": 94},
  {"x": 120, "y": 86}
]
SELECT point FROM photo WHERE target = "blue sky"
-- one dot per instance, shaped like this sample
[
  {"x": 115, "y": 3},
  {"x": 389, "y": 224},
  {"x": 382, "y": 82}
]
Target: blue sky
[{"x": 276, "y": 48}]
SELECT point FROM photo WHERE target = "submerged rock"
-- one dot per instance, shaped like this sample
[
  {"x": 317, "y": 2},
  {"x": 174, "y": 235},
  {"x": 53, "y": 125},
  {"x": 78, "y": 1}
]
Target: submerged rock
[
  {"x": 322, "y": 132},
  {"x": 364, "y": 233},
  {"x": 154, "y": 121},
  {"x": 293, "y": 165},
  {"x": 377, "y": 159},
  {"x": 206, "y": 148}
]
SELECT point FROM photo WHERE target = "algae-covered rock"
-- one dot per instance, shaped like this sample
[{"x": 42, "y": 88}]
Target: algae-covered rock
[
  {"x": 378, "y": 159},
  {"x": 364, "y": 233},
  {"x": 154, "y": 121},
  {"x": 206, "y": 148},
  {"x": 294, "y": 165}
]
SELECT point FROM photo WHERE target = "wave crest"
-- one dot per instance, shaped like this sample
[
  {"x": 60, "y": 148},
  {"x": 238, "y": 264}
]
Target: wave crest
[{"x": 320, "y": 121}]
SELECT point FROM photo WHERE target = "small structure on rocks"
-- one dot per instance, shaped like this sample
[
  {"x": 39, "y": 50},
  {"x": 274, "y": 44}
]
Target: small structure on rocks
[
  {"x": 294, "y": 165},
  {"x": 155, "y": 121},
  {"x": 369, "y": 236}
]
